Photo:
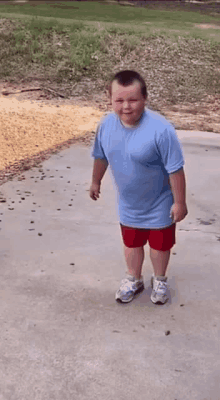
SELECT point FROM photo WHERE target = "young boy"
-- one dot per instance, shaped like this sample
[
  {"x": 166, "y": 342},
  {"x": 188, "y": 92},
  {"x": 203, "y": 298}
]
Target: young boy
[{"x": 146, "y": 163}]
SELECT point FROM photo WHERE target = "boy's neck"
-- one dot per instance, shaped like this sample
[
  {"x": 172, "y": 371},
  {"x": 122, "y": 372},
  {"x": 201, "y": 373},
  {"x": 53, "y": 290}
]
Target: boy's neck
[{"x": 127, "y": 126}]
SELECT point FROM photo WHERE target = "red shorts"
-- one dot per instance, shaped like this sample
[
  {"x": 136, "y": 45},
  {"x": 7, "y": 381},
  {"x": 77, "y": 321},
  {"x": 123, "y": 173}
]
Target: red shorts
[{"x": 159, "y": 239}]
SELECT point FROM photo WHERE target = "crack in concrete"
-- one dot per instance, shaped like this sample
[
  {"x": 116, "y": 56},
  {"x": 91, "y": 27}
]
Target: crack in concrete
[{"x": 199, "y": 230}]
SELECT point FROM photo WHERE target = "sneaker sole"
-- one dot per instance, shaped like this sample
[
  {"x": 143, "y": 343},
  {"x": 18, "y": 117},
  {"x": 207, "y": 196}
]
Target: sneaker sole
[
  {"x": 159, "y": 302},
  {"x": 136, "y": 293}
]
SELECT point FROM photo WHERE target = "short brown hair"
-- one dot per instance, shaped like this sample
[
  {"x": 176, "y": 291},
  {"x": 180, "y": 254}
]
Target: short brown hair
[{"x": 126, "y": 78}]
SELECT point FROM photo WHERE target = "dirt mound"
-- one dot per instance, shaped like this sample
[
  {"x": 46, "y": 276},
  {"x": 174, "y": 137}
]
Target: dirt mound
[
  {"x": 28, "y": 128},
  {"x": 30, "y": 132}
]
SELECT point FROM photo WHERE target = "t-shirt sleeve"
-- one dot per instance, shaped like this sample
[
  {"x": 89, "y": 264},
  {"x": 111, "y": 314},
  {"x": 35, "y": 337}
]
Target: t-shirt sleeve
[
  {"x": 170, "y": 150},
  {"x": 97, "y": 150}
]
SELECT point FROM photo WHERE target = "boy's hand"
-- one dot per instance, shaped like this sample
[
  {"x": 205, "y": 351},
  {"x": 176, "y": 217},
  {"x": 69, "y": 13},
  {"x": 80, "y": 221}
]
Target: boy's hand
[
  {"x": 178, "y": 212},
  {"x": 94, "y": 191}
]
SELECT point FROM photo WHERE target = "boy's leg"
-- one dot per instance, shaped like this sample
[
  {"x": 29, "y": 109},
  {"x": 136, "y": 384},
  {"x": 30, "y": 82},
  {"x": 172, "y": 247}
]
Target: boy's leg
[
  {"x": 133, "y": 283},
  {"x": 134, "y": 259},
  {"x": 160, "y": 260},
  {"x": 161, "y": 242},
  {"x": 134, "y": 242}
]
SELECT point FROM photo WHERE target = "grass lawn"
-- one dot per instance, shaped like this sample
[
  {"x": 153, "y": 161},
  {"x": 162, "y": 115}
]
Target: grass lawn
[
  {"x": 78, "y": 45},
  {"x": 102, "y": 11}
]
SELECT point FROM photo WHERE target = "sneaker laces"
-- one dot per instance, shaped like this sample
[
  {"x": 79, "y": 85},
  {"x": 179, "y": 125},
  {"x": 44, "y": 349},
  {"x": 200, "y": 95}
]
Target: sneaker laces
[
  {"x": 127, "y": 284},
  {"x": 160, "y": 287}
]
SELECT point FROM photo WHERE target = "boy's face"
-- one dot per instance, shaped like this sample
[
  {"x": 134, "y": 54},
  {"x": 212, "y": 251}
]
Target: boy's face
[{"x": 128, "y": 102}]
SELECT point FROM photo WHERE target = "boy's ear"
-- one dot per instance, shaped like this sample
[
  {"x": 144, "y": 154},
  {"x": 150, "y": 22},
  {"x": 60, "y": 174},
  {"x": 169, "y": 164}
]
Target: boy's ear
[
  {"x": 109, "y": 97},
  {"x": 108, "y": 93}
]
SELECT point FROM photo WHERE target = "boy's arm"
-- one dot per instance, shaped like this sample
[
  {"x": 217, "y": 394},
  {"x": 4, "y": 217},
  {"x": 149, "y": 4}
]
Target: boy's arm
[
  {"x": 178, "y": 187},
  {"x": 99, "y": 167}
]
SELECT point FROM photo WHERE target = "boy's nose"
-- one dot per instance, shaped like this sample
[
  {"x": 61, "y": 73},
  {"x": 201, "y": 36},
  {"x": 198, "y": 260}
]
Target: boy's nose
[{"x": 126, "y": 104}]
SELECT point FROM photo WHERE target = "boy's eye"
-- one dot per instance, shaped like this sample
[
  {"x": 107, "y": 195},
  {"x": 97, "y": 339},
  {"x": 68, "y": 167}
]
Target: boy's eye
[{"x": 130, "y": 101}]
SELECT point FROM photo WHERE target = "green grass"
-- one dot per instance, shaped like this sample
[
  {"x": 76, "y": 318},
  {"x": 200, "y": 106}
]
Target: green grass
[
  {"x": 93, "y": 11},
  {"x": 100, "y": 11},
  {"x": 130, "y": 19}
]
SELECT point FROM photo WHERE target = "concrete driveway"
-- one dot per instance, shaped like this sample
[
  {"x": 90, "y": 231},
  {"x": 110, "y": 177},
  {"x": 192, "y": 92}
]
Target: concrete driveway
[{"x": 63, "y": 336}]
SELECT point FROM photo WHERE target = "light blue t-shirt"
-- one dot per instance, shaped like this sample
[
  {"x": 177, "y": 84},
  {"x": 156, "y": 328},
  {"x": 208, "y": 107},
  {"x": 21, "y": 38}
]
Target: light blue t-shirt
[{"x": 140, "y": 160}]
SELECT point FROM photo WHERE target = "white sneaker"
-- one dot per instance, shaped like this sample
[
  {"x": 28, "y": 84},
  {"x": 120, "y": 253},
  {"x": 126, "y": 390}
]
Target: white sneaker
[
  {"x": 159, "y": 285},
  {"x": 129, "y": 288}
]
